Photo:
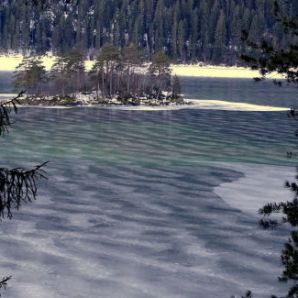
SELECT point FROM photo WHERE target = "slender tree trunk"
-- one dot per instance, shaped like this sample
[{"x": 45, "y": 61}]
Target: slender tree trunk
[
  {"x": 128, "y": 80},
  {"x": 103, "y": 83},
  {"x": 97, "y": 89},
  {"x": 63, "y": 87},
  {"x": 111, "y": 80}
]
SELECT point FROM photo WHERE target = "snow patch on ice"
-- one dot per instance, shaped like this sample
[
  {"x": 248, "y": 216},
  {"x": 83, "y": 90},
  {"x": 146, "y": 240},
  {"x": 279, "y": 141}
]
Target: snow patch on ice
[{"x": 260, "y": 185}]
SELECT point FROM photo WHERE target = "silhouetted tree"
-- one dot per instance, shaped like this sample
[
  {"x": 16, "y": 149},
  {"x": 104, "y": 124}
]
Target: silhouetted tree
[
  {"x": 104, "y": 68},
  {"x": 30, "y": 75},
  {"x": 270, "y": 58},
  {"x": 176, "y": 88},
  {"x": 68, "y": 72},
  {"x": 130, "y": 60},
  {"x": 109, "y": 57},
  {"x": 161, "y": 73}
]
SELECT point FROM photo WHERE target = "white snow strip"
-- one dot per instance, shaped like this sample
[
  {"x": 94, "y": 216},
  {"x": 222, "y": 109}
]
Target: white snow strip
[
  {"x": 206, "y": 104},
  {"x": 260, "y": 185}
]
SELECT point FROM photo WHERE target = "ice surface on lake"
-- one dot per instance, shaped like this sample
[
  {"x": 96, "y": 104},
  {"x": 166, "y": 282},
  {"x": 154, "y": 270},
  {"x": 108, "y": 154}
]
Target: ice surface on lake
[
  {"x": 135, "y": 232},
  {"x": 146, "y": 204},
  {"x": 261, "y": 185}
]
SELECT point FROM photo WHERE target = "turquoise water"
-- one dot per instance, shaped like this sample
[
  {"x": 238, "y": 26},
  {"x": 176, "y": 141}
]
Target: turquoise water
[
  {"x": 168, "y": 137},
  {"x": 150, "y": 204}
]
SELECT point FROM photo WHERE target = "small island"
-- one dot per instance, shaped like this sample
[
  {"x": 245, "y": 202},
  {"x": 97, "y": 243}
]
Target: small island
[{"x": 116, "y": 78}]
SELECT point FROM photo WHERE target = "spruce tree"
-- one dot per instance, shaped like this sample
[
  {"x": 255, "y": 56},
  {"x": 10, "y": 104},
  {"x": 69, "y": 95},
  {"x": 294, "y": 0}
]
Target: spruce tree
[
  {"x": 220, "y": 39},
  {"x": 109, "y": 59},
  {"x": 176, "y": 88},
  {"x": 68, "y": 72},
  {"x": 131, "y": 59},
  {"x": 30, "y": 75},
  {"x": 161, "y": 73}
]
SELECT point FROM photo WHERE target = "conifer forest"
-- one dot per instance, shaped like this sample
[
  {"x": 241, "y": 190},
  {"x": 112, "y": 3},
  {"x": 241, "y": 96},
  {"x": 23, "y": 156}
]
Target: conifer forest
[{"x": 186, "y": 30}]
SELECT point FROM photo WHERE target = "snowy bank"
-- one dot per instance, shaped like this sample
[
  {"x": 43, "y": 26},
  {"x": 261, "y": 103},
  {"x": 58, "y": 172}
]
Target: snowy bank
[{"x": 11, "y": 61}]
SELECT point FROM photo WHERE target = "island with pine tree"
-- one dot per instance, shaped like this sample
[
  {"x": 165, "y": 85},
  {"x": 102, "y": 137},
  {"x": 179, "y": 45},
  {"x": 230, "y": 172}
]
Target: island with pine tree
[{"x": 116, "y": 78}]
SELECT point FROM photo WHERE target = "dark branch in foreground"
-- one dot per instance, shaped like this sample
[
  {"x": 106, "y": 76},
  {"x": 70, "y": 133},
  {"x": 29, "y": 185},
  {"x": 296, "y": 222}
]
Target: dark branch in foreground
[
  {"x": 18, "y": 186},
  {"x": 3, "y": 282},
  {"x": 5, "y": 109}
]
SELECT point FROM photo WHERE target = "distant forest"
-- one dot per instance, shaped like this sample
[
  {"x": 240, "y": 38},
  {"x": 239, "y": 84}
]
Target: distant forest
[{"x": 186, "y": 30}]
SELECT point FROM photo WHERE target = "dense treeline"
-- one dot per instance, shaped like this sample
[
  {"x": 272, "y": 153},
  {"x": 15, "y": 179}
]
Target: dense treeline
[{"x": 186, "y": 30}]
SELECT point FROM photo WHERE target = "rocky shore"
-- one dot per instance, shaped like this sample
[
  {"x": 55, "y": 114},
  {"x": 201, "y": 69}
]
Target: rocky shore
[{"x": 83, "y": 99}]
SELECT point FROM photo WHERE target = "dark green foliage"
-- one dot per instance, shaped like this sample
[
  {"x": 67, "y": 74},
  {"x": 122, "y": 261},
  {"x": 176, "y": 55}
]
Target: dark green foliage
[
  {"x": 30, "y": 75},
  {"x": 115, "y": 74},
  {"x": 186, "y": 30},
  {"x": 160, "y": 64},
  {"x": 160, "y": 74},
  {"x": 68, "y": 71},
  {"x": 269, "y": 57},
  {"x": 131, "y": 59},
  {"x": 102, "y": 73}
]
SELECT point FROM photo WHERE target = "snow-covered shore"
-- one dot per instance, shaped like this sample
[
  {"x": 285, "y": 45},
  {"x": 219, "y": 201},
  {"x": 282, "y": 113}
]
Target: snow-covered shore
[
  {"x": 11, "y": 61},
  {"x": 198, "y": 104},
  {"x": 206, "y": 104}
]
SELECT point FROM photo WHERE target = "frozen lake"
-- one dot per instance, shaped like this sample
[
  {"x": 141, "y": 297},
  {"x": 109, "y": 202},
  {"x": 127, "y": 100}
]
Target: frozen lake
[{"x": 150, "y": 204}]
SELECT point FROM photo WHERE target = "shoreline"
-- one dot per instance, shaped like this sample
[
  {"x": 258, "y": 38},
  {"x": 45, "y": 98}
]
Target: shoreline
[
  {"x": 167, "y": 104},
  {"x": 190, "y": 104},
  {"x": 9, "y": 63}
]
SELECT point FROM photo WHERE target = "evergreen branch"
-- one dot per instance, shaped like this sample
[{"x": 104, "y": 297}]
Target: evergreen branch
[
  {"x": 18, "y": 186},
  {"x": 3, "y": 282},
  {"x": 5, "y": 109}
]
